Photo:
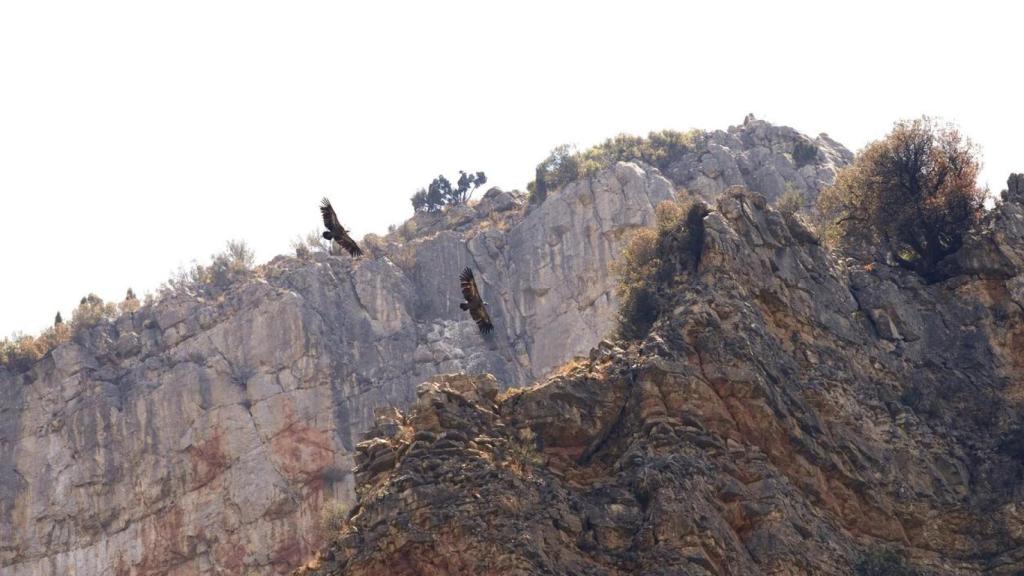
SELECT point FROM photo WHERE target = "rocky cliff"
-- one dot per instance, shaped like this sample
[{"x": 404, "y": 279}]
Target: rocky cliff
[
  {"x": 758, "y": 155},
  {"x": 204, "y": 435},
  {"x": 792, "y": 412}
]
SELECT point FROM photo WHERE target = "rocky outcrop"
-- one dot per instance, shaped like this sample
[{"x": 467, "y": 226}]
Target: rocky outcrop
[
  {"x": 204, "y": 435},
  {"x": 771, "y": 160},
  {"x": 790, "y": 413},
  {"x": 1014, "y": 188}
]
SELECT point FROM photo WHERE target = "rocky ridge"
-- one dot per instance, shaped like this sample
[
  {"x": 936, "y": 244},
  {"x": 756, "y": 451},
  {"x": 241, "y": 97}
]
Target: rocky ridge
[
  {"x": 205, "y": 435},
  {"x": 760, "y": 156},
  {"x": 793, "y": 412}
]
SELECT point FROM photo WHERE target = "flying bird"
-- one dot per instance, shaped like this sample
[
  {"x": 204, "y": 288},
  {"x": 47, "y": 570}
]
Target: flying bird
[
  {"x": 474, "y": 303},
  {"x": 335, "y": 231}
]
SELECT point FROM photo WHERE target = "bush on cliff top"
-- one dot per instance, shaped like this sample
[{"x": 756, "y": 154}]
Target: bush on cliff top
[
  {"x": 565, "y": 164},
  {"x": 441, "y": 193},
  {"x": 234, "y": 264},
  {"x": 915, "y": 192},
  {"x": 19, "y": 352}
]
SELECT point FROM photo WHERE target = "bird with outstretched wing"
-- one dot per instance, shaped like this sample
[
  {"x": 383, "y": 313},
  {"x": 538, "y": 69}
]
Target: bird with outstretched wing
[
  {"x": 335, "y": 231},
  {"x": 474, "y": 303}
]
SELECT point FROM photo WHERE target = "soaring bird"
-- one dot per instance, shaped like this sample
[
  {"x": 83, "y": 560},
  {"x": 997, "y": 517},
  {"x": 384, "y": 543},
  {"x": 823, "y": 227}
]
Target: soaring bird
[
  {"x": 335, "y": 231},
  {"x": 474, "y": 303}
]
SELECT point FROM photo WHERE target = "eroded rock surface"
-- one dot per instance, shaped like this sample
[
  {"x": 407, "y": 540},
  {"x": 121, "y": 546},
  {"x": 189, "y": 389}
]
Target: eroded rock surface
[
  {"x": 769, "y": 159},
  {"x": 202, "y": 436},
  {"x": 792, "y": 413},
  {"x": 205, "y": 436}
]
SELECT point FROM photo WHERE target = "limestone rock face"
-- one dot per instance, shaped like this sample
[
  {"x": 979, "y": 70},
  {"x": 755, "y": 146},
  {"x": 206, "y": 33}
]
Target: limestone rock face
[
  {"x": 203, "y": 436},
  {"x": 769, "y": 159},
  {"x": 790, "y": 413}
]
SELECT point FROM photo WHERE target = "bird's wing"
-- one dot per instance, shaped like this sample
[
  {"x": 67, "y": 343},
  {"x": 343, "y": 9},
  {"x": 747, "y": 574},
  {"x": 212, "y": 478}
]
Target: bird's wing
[
  {"x": 477, "y": 310},
  {"x": 469, "y": 290},
  {"x": 346, "y": 241},
  {"x": 481, "y": 317},
  {"x": 330, "y": 218}
]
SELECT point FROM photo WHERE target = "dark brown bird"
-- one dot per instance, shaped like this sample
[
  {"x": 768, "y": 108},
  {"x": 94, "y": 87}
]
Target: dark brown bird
[
  {"x": 335, "y": 231},
  {"x": 474, "y": 303}
]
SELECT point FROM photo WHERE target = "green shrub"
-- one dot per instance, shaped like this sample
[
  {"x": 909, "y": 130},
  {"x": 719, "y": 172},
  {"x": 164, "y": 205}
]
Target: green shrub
[
  {"x": 565, "y": 164},
  {"x": 804, "y": 153},
  {"x": 883, "y": 563},
  {"x": 441, "y": 193},
  {"x": 558, "y": 169},
  {"x": 659, "y": 149},
  {"x": 538, "y": 189},
  {"x": 652, "y": 259},
  {"x": 791, "y": 201}
]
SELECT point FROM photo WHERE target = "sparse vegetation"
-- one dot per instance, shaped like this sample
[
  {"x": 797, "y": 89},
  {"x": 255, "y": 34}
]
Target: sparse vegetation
[
  {"x": 441, "y": 193},
  {"x": 20, "y": 351},
  {"x": 408, "y": 230},
  {"x": 311, "y": 243},
  {"x": 565, "y": 164},
  {"x": 131, "y": 302},
  {"x": 883, "y": 563},
  {"x": 653, "y": 257},
  {"x": 638, "y": 299},
  {"x": 522, "y": 452},
  {"x": 90, "y": 312},
  {"x": 332, "y": 518},
  {"x": 914, "y": 191},
  {"x": 659, "y": 149},
  {"x": 558, "y": 169},
  {"x": 538, "y": 189},
  {"x": 235, "y": 263},
  {"x": 804, "y": 153},
  {"x": 791, "y": 201}
]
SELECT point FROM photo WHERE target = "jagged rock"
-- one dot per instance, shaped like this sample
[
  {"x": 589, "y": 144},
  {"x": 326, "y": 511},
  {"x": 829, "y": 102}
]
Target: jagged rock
[
  {"x": 757, "y": 155},
  {"x": 497, "y": 200},
  {"x": 205, "y": 435},
  {"x": 791, "y": 413},
  {"x": 202, "y": 436}
]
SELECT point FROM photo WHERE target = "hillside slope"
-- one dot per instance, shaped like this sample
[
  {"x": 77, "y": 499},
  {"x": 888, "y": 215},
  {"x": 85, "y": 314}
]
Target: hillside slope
[
  {"x": 790, "y": 413},
  {"x": 205, "y": 435}
]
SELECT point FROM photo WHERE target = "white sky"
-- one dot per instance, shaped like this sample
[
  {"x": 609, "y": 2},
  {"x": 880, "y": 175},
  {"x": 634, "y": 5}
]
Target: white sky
[{"x": 137, "y": 136}]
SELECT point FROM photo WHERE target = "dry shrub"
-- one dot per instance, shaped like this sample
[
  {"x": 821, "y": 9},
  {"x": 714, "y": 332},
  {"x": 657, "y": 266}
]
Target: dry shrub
[
  {"x": 21, "y": 352},
  {"x": 91, "y": 311},
  {"x": 333, "y": 518},
  {"x": 651, "y": 261},
  {"x": 914, "y": 192}
]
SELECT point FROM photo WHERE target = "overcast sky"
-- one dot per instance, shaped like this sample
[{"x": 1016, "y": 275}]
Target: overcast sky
[{"x": 137, "y": 136}]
